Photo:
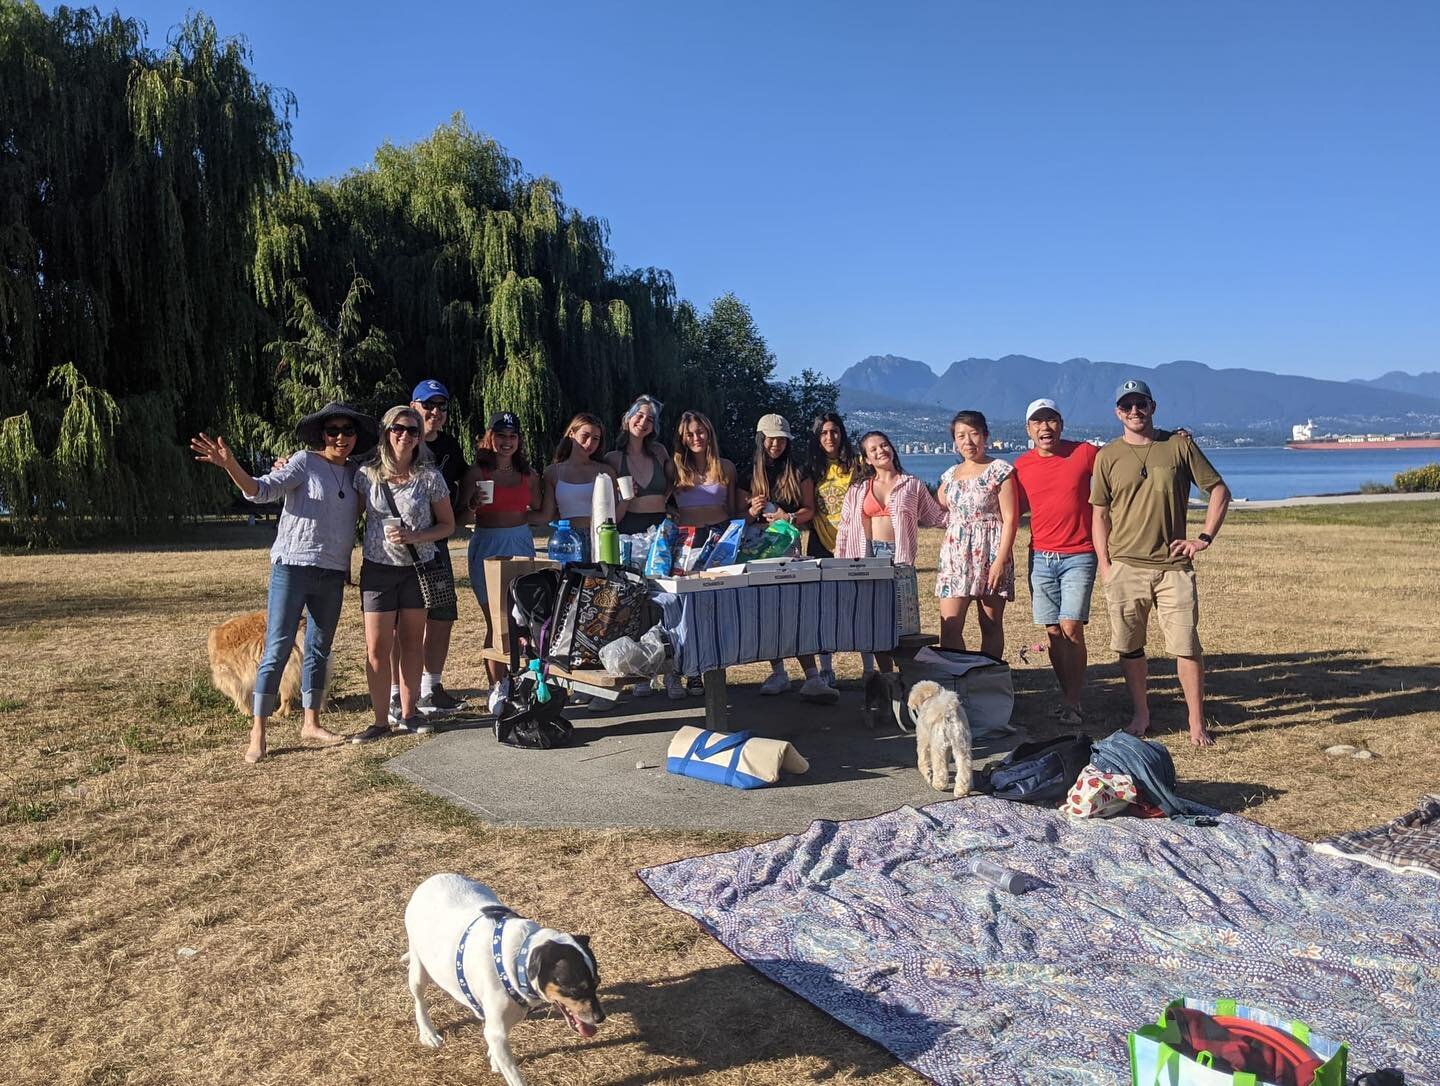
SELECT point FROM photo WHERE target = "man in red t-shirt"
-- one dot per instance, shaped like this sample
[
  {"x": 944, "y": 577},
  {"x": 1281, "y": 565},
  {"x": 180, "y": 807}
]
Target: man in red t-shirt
[{"x": 1054, "y": 484}]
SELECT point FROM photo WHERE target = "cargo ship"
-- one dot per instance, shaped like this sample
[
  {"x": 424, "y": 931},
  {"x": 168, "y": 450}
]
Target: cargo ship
[{"x": 1303, "y": 438}]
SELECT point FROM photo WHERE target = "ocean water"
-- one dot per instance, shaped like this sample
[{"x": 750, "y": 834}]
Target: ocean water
[{"x": 1265, "y": 473}]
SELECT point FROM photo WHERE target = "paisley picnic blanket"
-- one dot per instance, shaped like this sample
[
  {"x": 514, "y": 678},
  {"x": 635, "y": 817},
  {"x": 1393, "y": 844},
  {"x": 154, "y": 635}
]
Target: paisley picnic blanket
[{"x": 879, "y": 923}]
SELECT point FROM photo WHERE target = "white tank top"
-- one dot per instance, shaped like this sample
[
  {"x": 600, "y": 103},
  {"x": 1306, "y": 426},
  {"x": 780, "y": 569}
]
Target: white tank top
[{"x": 573, "y": 499}]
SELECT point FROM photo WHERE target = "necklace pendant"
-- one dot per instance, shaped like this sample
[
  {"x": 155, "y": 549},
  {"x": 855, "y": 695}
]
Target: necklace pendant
[
  {"x": 1144, "y": 474},
  {"x": 342, "y": 493}
]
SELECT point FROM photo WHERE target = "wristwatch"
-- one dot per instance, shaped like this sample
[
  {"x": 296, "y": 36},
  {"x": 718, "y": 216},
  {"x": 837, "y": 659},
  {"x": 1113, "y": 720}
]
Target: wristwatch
[{"x": 1206, "y": 538}]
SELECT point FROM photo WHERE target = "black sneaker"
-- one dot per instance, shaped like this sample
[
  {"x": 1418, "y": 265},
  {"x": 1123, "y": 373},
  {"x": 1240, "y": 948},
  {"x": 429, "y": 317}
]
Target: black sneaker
[
  {"x": 439, "y": 701},
  {"x": 370, "y": 734},
  {"x": 411, "y": 726}
]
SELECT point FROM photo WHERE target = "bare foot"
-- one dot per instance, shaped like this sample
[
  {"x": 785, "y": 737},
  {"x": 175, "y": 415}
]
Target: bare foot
[
  {"x": 1138, "y": 727},
  {"x": 255, "y": 752},
  {"x": 318, "y": 734},
  {"x": 1201, "y": 736}
]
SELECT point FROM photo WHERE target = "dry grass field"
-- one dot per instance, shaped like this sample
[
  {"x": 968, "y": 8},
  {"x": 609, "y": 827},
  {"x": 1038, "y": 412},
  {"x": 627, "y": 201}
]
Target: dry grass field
[{"x": 169, "y": 914}]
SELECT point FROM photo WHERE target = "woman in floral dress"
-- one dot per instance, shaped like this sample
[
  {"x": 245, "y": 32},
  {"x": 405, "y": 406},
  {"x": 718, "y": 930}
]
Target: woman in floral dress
[{"x": 975, "y": 559}]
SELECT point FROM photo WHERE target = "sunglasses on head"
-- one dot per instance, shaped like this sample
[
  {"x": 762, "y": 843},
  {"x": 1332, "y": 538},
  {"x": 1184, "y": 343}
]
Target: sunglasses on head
[
  {"x": 339, "y": 431},
  {"x": 399, "y": 428},
  {"x": 1134, "y": 402}
]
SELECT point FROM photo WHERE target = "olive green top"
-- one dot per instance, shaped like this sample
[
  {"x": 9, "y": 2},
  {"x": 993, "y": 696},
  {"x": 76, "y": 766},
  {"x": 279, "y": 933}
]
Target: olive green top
[{"x": 1147, "y": 488}]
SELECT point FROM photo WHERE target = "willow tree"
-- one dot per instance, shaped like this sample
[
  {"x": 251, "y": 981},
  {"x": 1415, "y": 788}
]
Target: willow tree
[
  {"x": 483, "y": 278},
  {"x": 131, "y": 181}
]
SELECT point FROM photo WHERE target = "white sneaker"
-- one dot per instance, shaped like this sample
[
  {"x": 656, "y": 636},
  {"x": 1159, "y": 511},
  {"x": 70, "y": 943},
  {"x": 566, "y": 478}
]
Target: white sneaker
[
  {"x": 674, "y": 687},
  {"x": 777, "y": 683},
  {"x": 817, "y": 690}
]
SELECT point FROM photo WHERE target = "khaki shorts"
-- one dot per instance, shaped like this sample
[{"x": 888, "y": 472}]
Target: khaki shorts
[{"x": 1133, "y": 593}]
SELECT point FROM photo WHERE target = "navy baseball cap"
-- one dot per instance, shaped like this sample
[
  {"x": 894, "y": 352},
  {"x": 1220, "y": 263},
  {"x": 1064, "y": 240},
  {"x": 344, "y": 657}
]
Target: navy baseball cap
[
  {"x": 505, "y": 420},
  {"x": 428, "y": 389},
  {"x": 1133, "y": 388}
]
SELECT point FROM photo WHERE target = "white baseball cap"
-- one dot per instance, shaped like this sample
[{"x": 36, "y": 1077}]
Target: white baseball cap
[
  {"x": 773, "y": 426},
  {"x": 1042, "y": 404}
]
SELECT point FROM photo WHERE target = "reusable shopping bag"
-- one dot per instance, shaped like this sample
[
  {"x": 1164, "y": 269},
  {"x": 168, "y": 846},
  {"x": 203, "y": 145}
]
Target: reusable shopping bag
[
  {"x": 596, "y": 605},
  {"x": 1157, "y": 1059},
  {"x": 1099, "y": 795}
]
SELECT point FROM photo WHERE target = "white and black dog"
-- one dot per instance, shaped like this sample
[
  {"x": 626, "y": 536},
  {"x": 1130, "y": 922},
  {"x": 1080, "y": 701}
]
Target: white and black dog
[{"x": 497, "y": 964}]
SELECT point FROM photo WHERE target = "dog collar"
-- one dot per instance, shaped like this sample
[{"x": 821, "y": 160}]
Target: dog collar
[{"x": 521, "y": 990}]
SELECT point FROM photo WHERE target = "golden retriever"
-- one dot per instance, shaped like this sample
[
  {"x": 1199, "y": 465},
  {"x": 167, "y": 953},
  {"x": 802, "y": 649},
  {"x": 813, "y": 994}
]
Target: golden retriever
[{"x": 236, "y": 647}]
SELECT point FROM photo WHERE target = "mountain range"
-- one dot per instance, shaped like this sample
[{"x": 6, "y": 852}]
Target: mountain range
[{"x": 1218, "y": 401}]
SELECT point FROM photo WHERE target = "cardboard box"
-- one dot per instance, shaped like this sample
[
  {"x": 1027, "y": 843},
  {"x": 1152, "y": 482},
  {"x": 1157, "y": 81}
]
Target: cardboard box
[
  {"x": 856, "y": 569},
  {"x": 499, "y": 572},
  {"x": 696, "y": 582},
  {"x": 783, "y": 570}
]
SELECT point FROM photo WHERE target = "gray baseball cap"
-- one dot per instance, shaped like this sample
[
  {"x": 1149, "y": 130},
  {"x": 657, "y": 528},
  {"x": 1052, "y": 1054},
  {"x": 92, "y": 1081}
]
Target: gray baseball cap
[{"x": 1132, "y": 388}]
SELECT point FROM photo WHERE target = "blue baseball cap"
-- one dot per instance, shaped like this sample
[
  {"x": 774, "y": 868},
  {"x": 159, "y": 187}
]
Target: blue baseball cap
[
  {"x": 504, "y": 420},
  {"x": 1133, "y": 388},
  {"x": 428, "y": 389}
]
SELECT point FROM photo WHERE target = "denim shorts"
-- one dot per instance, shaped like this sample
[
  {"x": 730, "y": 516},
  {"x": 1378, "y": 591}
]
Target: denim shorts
[{"x": 1060, "y": 586}]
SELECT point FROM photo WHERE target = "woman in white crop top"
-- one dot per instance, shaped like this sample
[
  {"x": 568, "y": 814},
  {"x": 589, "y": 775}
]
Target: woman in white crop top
[{"x": 570, "y": 479}]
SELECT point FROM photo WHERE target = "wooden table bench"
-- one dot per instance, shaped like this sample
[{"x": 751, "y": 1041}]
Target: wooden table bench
[{"x": 599, "y": 683}]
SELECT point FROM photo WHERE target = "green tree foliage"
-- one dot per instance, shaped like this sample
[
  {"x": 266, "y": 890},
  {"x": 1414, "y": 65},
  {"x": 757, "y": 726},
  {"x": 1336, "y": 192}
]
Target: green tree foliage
[
  {"x": 130, "y": 180},
  {"x": 163, "y": 269},
  {"x": 727, "y": 363},
  {"x": 482, "y": 277}
]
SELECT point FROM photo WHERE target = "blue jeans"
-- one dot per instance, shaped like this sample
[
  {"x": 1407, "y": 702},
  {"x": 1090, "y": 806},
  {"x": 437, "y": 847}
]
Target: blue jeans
[
  {"x": 1060, "y": 586},
  {"x": 294, "y": 589}
]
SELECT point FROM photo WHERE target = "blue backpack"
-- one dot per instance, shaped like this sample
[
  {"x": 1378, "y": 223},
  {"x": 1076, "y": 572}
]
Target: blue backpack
[{"x": 1039, "y": 773}]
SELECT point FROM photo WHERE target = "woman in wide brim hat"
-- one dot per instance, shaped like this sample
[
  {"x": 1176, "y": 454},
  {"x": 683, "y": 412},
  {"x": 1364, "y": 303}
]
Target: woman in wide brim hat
[
  {"x": 311, "y": 428},
  {"x": 310, "y": 560}
]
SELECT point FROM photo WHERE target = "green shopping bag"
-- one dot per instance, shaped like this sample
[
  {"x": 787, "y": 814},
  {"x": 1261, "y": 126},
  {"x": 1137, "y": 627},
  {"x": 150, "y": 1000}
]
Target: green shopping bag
[{"x": 1156, "y": 1061}]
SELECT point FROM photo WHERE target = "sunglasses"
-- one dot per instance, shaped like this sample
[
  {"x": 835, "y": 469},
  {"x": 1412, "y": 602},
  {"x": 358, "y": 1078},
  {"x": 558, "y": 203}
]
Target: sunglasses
[
  {"x": 436, "y": 405},
  {"x": 399, "y": 429},
  {"x": 1131, "y": 405},
  {"x": 339, "y": 431}
]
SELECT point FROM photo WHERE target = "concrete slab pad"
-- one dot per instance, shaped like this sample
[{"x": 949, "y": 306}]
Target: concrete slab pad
[{"x": 854, "y": 772}]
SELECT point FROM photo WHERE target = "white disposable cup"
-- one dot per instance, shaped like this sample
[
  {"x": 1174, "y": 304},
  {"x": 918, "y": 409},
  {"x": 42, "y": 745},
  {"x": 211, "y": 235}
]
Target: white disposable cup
[
  {"x": 486, "y": 489},
  {"x": 627, "y": 487},
  {"x": 391, "y": 522}
]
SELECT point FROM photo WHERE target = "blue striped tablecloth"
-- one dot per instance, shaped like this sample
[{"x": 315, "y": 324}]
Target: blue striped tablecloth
[{"x": 769, "y": 622}]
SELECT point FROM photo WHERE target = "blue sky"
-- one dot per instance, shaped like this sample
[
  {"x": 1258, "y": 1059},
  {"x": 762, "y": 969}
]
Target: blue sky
[{"x": 1238, "y": 183}]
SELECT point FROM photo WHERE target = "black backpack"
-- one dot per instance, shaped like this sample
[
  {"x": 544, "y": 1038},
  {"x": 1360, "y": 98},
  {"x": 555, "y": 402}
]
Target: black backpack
[
  {"x": 522, "y": 718},
  {"x": 1039, "y": 773}
]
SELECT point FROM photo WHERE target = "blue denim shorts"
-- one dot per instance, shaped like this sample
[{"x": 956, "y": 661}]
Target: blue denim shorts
[{"x": 1060, "y": 586}]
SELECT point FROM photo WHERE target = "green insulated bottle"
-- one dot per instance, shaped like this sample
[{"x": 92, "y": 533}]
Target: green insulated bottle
[{"x": 609, "y": 543}]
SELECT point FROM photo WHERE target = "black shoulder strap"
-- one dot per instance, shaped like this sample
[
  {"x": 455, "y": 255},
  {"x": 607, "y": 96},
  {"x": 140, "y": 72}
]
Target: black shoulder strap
[{"x": 395, "y": 512}]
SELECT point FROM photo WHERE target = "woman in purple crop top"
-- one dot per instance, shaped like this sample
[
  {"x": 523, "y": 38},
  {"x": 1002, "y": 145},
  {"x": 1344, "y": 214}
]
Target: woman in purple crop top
[{"x": 704, "y": 481}]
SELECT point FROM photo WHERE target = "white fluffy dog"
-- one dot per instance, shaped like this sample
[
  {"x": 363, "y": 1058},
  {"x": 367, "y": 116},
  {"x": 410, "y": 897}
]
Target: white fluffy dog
[{"x": 942, "y": 732}]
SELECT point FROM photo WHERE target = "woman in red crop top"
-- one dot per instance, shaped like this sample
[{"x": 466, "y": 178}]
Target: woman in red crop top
[{"x": 498, "y": 493}]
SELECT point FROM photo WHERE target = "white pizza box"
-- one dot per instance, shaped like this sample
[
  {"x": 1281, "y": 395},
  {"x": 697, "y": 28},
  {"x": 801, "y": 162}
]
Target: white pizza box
[
  {"x": 783, "y": 570},
  {"x": 857, "y": 569},
  {"x": 701, "y": 582}
]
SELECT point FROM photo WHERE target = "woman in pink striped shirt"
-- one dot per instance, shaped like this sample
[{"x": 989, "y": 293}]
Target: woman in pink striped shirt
[{"x": 883, "y": 511}]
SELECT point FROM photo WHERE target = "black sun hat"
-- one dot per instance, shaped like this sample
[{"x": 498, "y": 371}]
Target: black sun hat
[{"x": 311, "y": 428}]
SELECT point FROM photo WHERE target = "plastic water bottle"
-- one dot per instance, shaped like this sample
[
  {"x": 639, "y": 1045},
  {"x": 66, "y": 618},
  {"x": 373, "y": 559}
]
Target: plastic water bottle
[
  {"x": 564, "y": 545},
  {"x": 609, "y": 548},
  {"x": 1002, "y": 878}
]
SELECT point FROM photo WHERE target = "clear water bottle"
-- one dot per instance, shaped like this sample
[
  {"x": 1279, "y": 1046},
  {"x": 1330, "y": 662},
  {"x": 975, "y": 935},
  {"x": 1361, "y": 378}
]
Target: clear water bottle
[
  {"x": 564, "y": 545},
  {"x": 1002, "y": 878}
]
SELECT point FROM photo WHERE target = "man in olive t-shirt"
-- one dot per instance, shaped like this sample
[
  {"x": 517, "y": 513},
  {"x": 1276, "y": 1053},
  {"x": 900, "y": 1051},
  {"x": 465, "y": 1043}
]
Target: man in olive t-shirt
[{"x": 1140, "y": 491}]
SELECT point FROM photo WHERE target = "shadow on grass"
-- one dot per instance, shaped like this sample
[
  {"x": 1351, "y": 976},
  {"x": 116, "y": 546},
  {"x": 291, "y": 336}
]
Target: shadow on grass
[{"x": 729, "y": 1018}]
